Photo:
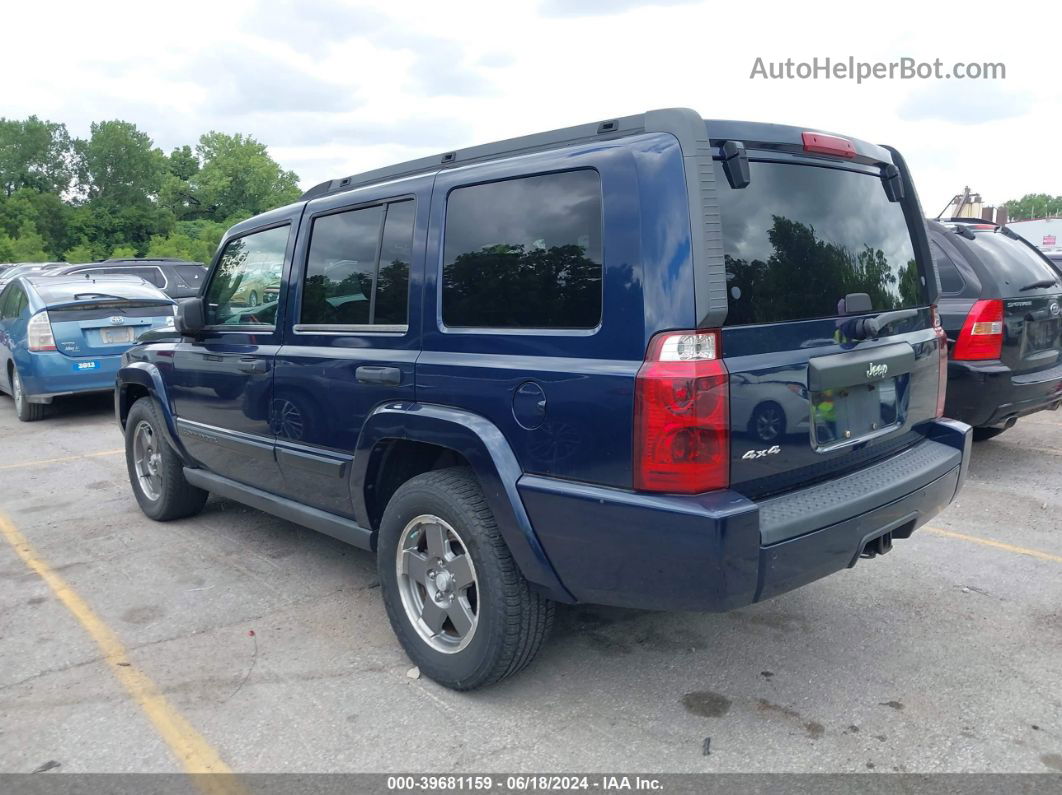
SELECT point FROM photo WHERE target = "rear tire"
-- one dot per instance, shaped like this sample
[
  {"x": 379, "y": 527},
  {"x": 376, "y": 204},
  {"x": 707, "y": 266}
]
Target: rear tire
[
  {"x": 456, "y": 600},
  {"x": 983, "y": 434},
  {"x": 26, "y": 411},
  {"x": 155, "y": 471}
]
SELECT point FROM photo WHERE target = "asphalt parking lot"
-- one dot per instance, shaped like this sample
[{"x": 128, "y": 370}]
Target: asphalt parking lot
[{"x": 246, "y": 640}]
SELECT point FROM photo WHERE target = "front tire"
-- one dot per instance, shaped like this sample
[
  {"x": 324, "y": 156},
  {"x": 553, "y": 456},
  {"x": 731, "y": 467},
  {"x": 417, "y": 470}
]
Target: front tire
[
  {"x": 456, "y": 600},
  {"x": 155, "y": 471},
  {"x": 26, "y": 411}
]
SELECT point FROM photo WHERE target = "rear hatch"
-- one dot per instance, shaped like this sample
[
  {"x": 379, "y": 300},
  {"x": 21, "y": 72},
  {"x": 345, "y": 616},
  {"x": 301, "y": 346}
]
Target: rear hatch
[
  {"x": 103, "y": 318},
  {"x": 1031, "y": 291},
  {"x": 813, "y": 248}
]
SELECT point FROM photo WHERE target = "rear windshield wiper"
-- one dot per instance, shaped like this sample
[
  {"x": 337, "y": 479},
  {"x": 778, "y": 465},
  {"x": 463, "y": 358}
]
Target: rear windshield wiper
[
  {"x": 1041, "y": 283},
  {"x": 871, "y": 327}
]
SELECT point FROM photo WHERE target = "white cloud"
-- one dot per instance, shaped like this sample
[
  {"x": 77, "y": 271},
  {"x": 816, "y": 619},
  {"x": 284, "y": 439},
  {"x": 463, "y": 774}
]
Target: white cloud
[{"x": 338, "y": 87}]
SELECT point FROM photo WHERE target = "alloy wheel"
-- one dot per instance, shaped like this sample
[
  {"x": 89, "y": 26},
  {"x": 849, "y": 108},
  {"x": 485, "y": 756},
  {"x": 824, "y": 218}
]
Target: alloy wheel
[
  {"x": 147, "y": 460},
  {"x": 437, "y": 583}
]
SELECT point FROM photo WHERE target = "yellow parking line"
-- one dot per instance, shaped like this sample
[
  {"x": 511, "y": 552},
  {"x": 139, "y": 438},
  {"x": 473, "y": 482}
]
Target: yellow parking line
[
  {"x": 1032, "y": 553},
  {"x": 46, "y": 461},
  {"x": 193, "y": 751}
]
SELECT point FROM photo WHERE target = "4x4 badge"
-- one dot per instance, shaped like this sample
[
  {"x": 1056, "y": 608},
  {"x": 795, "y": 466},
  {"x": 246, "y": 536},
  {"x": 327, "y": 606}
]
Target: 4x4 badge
[{"x": 773, "y": 450}]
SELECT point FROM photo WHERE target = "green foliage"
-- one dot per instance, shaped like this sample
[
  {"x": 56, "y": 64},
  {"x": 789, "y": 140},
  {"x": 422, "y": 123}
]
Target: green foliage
[
  {"x": 35, "y": 154},
  {"x": 191, "y": 240},
  {"x": 117, "y": 194},
  {"x": 26, "y": 246},
  {"x": 238, "y": 178},
  {"x": 121, "y": 165},
  {"x": 1034, "y": 205},
  {"x": 82, "y": 252}
]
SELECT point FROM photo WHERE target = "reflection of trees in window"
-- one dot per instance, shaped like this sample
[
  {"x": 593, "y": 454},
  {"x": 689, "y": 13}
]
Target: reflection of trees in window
[
  {"x": 227, "y": 280},
  {"x": 807, "y": 277},
  {"x": 392, "y": 291},
  {"x": 912, "y": 292},
  {"x": 506, "y": 286}
]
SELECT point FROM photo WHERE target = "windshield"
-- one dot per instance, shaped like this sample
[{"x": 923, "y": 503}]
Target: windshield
[
  {"x": 799, "y": 238},
  {"x": 1017, "y": 266}
]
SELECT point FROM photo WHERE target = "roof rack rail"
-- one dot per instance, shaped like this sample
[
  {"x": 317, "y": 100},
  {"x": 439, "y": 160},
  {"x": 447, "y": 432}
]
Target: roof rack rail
[{"x": 594, "y": 131}]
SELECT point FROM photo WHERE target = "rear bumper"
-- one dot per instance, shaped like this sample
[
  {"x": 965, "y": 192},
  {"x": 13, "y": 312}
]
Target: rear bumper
[
  {"x": 53, "y": 374},
  {"x": 989, "y": 393},
  {"x": 719, "y": 551}
]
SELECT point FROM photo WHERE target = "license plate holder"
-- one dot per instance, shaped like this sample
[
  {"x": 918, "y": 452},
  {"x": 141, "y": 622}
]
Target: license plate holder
[
  {"x": 844, "y": 415},
  {"x": 115, "y": 336}
]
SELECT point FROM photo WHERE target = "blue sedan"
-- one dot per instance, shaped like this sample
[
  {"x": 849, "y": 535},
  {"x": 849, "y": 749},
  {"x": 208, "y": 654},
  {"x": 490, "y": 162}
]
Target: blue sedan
[{"x": 61, "y": 335}]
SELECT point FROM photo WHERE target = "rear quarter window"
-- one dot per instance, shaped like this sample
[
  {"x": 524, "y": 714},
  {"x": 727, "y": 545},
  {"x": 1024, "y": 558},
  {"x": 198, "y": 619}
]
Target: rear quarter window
[
  {"x": 524, "y": 253},
  {"x": 951, "y": 281}
]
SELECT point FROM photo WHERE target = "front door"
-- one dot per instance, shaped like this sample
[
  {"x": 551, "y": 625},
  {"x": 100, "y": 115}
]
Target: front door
[
  {"x": 351, "y": 345},
  {"x": 222, "y": 381}
]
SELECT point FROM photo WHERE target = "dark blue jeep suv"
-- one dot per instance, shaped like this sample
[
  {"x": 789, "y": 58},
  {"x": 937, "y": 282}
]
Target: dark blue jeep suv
[{"x": 653, "y": 361}]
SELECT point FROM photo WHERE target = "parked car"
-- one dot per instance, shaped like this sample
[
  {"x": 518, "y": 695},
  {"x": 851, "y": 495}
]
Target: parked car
[
  {"x": 259, "y": 285},
  {"x": 176, "y": 278},
  {"x": 1000, "y": 301},
  {"x": 19, "y": 269},
  {"x": 522, "y": 373},
  {"x": 66, "y": 335}
]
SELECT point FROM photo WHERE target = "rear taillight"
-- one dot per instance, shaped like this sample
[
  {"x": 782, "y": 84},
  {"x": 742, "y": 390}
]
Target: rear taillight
[
  {"x": 681, "y": 415},
  {"x": 39, "y": 333},
  {"x": 982, "y": 333},
  {"x": 942, "y": 361}
]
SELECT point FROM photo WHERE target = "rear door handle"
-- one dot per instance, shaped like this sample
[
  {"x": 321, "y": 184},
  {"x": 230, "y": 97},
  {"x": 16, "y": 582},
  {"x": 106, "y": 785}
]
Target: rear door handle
[
  {"x": 252, "y": 365},
  {"x": 371, "y": 374}
]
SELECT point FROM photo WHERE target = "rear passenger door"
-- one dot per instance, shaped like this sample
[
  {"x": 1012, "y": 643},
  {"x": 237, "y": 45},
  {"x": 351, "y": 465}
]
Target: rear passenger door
[{"x": 354, "y": 336}]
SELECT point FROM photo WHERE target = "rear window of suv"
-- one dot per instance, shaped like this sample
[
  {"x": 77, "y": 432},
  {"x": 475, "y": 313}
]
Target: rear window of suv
[
  {"x": 1016, "y": 265},
  {"x": 798, "y": 239}
]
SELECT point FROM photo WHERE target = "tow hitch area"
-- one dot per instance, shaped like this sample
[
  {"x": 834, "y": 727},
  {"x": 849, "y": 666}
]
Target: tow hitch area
[{"x": 877, "y": 546}]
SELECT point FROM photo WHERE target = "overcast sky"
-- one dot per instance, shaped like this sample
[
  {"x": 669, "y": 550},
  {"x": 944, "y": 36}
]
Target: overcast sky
[{"x": 339, "y": 87}]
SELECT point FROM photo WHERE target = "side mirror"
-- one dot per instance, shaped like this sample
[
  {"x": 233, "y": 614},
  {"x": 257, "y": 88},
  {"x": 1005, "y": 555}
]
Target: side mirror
[{"x": 191, "y": 316}]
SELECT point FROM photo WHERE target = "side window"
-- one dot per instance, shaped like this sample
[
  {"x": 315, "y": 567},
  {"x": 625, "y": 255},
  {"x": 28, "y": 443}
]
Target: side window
[
  {"x": 9, "y": 300},
  {"x": 524, "y": 253},
  {"x": 951, "y": 281},
  {"x": 228, "y": 297},
  {"x": 357, "y": 271}
]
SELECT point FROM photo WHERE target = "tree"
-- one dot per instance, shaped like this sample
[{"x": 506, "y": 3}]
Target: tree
[
  {"x": 182, "y": 162},
  {"x": 46, "y": 211},
  {"x": 191, "y": 240},
  {"x": 120, "y": 164},
  {"x": 1034, "y": 205},
  {"x": 35, "y": 154},
  {"x": 26, "y": 246},
  {"x": 82, "y": 252},
  {"x": 238, "y": 178}
]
